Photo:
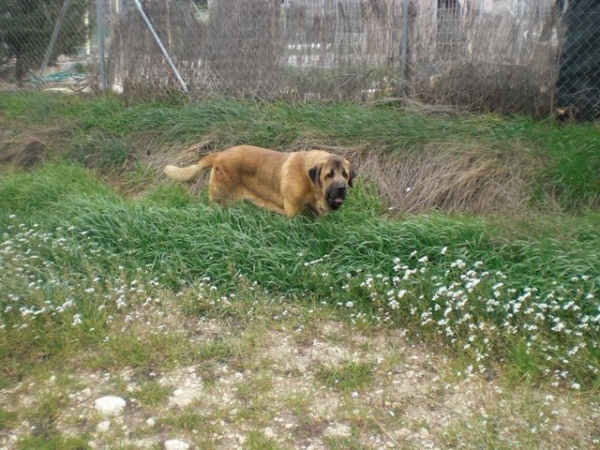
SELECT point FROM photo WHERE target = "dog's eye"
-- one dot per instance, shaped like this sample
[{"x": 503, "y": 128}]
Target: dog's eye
[
  {"x": 329, "y": 174},
  {"x": 345, "y": 174}
]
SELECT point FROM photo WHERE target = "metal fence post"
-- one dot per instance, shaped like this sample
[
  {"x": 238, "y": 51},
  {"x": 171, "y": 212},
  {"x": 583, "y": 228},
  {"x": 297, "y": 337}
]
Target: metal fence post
[
  {"x": 404, "y": 48},
  {"x": 160, "y": 45},
  {"x": 101, "y": 37},
  {"x": 59, "y": 22}
]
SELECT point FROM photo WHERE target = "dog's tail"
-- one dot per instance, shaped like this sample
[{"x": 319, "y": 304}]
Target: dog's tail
[{"x": 190, "y": 172}]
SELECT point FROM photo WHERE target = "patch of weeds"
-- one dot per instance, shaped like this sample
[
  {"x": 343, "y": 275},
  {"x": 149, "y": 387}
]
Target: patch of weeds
[
  {"x": 216, "y": 350},
  {"x": 42, "y": 417},
  {"x": 255, "y": 387},
  {"x": 297, "y": 404},
  {"x": 141, "y": 348},
  {"x": 256, "y": 407},
  {"x": 45, "y": 412},
  {"x": 346, "y": 377},
  {"x": 190, "y": 420},
  {"x": 7, "y": 419},
  {"x": 138, "y": 178},
  {"x": 480, "y": 433},
  {"x": 345, "y": 444},
  {"x": 170, "y": 195},
  {"x": 310, "y": 428},
  {"x": 100, "y": 151},
  {"x": 258, "y": 441},
  {"x": 152, "y": 394},
  {"x": 54, "y": 441}
]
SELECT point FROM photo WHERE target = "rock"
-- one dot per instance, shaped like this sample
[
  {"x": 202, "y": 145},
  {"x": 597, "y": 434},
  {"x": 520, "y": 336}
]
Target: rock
[
  {"x": 338, "y": 430},
  {"x": 103, "y": 426},
  {"x": 144, "y": 444},
  {"x": 185, "y": 396},
  {"x": 87, "y": 392},
  {"x": 110, "y": 405},
  {"x": 176, "y": 444}
]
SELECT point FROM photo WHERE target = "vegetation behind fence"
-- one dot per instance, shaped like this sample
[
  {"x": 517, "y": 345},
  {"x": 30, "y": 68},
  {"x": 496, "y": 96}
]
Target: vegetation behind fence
[{"x": 479, "y": 54}]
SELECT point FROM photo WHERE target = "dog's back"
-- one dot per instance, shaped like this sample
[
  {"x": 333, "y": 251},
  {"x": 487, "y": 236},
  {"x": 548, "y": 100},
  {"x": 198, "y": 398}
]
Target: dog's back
[{"x": 245, "y": 158}]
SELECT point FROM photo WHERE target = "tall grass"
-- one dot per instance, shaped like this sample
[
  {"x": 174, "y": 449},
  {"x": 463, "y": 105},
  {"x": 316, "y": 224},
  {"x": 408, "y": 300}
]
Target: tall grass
[
  {"x": 107, "y": 134},
  {"x": 106, "y": 267},
  {"x": 490, "y": 291},
  {"x": 575, "y": 165}
]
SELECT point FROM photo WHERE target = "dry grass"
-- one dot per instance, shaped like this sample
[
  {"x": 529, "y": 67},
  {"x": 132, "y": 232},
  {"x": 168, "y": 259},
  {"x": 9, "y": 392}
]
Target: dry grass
[
  {"x": 451, "y": 179},
  {"x": 35, "y": 145},
  {"x": 482, "y": 86}
]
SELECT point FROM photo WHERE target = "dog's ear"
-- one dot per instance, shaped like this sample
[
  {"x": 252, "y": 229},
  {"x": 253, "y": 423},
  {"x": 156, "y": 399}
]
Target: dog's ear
[
  {"x": 313, "y": 173},
  {"x": 352, "y": 175}
]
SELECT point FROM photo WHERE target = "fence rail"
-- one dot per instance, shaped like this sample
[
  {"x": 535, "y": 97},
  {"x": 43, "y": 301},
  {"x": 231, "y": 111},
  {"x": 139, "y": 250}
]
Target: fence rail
[{"x": 538, "y": 57}]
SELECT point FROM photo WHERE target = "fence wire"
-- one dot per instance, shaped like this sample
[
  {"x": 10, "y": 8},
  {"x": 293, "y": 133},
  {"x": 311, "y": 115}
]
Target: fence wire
[{"x": 537, "y": 57}]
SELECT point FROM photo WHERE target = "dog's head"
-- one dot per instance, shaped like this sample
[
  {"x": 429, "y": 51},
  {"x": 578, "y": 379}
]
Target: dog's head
[{"x": 332, "y": 176}]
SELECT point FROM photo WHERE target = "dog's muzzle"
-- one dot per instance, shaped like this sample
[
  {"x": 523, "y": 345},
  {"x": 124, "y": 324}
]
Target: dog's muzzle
[{"x": 336, "y": 194}]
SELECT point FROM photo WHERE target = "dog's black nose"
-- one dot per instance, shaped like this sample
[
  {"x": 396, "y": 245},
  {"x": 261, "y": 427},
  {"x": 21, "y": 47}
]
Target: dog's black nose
[{"x": 341, "y": 191}]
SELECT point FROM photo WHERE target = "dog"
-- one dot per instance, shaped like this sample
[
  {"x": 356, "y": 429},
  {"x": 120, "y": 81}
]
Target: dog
[{"x": 313, "y": 181}]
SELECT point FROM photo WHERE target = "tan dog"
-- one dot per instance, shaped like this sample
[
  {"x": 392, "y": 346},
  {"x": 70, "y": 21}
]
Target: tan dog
[{"x": 288, "y": 183}]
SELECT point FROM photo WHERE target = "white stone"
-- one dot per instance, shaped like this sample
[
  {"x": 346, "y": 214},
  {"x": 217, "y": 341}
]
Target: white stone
[
  {"x": 110, "y": 405},
  {"x": 87, "y": 392},
  {"x": 183, "y": 397},
  {"x": 338, "y": 430},
  {"x": 144, "y": 444},
  {"x": 176, "y": 444},
  {"x": 103, "y": 426},
  {"x": 151, "y": 422}
]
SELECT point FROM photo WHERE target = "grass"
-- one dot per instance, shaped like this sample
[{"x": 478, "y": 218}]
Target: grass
[
  {"x": 92, "y": 280},
  {"x": 346, "y": 377},
  {"x": 527, "y": 299},
  {"x": 111, "y": 136}
]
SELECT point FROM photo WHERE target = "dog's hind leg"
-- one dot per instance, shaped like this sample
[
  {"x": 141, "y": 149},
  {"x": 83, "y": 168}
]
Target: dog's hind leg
[{"x": 218, "y": 191}]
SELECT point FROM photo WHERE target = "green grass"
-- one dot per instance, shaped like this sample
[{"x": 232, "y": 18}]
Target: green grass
[
  {"x": 575, "y": 165},
  {"x": 53, "y": 442},
  {"x": 346, "y": 377},
  {"x": 98, "y": 281},
  {"x": 110, "y": 135},
  {"x": 152, "y": 394},
  {"x": 435, "y": 274},
  {"x": 257, "y": 441}
]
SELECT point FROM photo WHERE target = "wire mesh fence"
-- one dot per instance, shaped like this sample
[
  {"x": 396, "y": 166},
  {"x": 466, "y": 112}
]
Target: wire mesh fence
[{"x": 538, "y": 57}]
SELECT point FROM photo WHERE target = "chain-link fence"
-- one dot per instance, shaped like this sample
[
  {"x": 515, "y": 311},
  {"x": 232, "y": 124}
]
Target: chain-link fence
[{"x": 538, "y": 57}]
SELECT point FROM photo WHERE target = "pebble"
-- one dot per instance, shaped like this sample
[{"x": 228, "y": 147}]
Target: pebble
[
  {"x": 110, "y": 405},
  {"x": 176, "y": 444},
  {"x": 338, "y": 430},
  {"x": 103, "y": 426}
]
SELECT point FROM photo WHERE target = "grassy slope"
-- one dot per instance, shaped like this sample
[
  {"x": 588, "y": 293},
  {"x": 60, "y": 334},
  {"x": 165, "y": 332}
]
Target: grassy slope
[
  {"x": 521, "y": 290},
  {"x": 108, "y": 134}
]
